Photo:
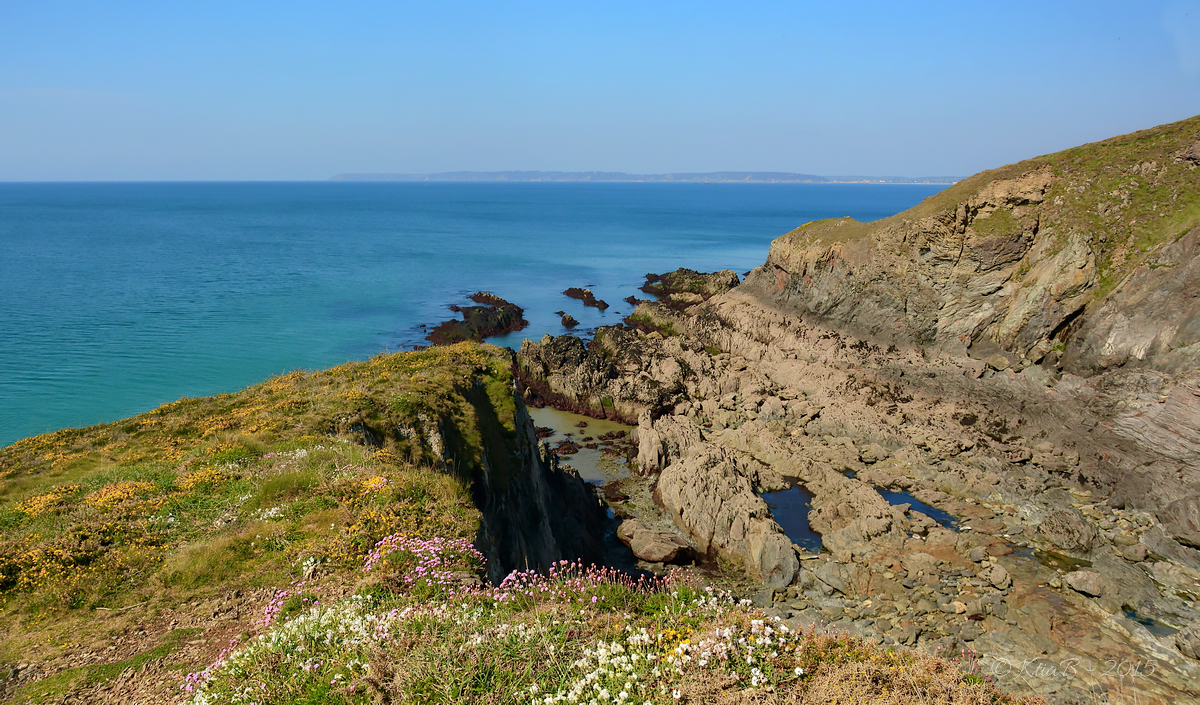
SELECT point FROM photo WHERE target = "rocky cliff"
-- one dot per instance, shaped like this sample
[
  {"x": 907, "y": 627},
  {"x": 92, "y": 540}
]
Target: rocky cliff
[
  {"x": 1018, "y": 351},
  {"x": 534, "y": 512},
  {"x": 1084, "y": 256}
]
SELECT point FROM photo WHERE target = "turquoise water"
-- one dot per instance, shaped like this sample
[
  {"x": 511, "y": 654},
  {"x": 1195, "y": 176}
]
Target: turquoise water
[{"x": 119, "y": 297}]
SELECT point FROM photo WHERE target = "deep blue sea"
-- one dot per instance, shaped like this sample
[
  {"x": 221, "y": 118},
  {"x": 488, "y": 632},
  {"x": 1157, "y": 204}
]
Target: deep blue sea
[{"x": 115, "y": 298}]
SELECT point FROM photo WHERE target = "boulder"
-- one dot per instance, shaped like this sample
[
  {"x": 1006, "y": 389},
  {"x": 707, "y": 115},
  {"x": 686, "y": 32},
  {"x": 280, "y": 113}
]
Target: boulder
[
  {"x": 997, "y": 576},
  {"x": 919, "y": 562},
  {"x": 832, "y": 575},
  {"x": 650, "y": 545},
  {"x": 1067, "y": 529},
  {"x": 1137, "y": 552},
  {"x": 1085, "y": 582}
]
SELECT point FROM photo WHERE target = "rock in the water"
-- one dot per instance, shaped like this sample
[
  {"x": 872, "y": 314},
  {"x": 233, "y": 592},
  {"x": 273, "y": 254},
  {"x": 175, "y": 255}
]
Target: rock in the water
[
  {"x": 1086, "y": 582},
  {"x": 587, "y": 297},
  {"x": 569, "y": 321}
]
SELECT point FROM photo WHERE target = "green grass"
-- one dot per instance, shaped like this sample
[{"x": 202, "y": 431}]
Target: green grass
[
  {"x": 998, "y": 223},
  {"x": 239, "y": 490}
]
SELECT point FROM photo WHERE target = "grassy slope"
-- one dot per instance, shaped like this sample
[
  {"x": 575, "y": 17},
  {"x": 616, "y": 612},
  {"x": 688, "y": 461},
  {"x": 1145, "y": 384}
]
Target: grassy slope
[
  {"x": 204, "y": 495},
  {"x": 118, "y": 529},
  {"x": 1127, "y": 192}
]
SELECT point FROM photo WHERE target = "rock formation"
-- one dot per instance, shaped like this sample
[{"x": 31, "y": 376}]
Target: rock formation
[
  {"x": 1020, "y": 351},
  {"x": 493, "y": 316}
]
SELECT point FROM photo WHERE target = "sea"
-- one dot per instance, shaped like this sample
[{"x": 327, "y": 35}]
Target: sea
[{"x": 118, "y": 297}]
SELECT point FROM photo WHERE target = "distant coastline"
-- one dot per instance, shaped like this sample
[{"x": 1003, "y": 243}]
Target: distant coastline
[{"x": 753, "y": 177}]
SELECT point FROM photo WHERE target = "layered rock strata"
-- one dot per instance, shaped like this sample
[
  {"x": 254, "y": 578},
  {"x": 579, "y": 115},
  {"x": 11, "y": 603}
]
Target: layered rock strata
[{"x": 1018, "y": 351}]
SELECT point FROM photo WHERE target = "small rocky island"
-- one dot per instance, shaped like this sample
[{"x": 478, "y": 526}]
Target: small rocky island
[
  {"x": 586, "y": 296},
  {"x": 493, "y": 316}
]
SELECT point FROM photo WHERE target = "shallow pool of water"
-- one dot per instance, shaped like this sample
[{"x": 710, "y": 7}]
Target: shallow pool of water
[
  {"x": 1050, "y": 559},
  {"x": 790, "y": 508},
  {"x": 593, "y": 464},
  {"x": 945, "y": 519},
  {"x": 1155, "y": 627}
]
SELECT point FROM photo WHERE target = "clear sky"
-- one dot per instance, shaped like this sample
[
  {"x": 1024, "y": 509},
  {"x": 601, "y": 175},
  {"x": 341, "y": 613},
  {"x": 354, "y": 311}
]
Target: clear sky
[{"x": 303, "y": 90}]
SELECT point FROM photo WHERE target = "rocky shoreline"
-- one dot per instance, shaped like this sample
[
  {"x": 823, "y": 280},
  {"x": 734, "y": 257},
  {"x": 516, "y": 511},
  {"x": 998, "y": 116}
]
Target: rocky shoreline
[
  {"x": 993, "y": 400},
  {"x": 1020, "y": 352},
  {"x": 846, "y": 417}
]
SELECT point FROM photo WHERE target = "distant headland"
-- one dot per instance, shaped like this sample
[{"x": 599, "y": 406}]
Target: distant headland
[{"x": 759, "y": 177}]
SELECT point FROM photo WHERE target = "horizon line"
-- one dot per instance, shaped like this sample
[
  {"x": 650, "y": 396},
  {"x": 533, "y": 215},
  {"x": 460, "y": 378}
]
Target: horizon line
[
  {"x": 619, "y": 176},
  {"x": 443, "y": 178}
]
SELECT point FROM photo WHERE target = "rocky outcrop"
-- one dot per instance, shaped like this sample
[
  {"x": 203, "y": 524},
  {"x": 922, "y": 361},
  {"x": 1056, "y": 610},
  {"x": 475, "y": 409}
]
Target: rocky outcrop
[
  {"x": 1088, "y": 254},
  {"x": 618, "y": 375},
  {"x": 493, "y": 316},
  {"x": 709, "y": 497},
  {"x": 684, "y": 287},
  {"x": 976, "y": 352}
]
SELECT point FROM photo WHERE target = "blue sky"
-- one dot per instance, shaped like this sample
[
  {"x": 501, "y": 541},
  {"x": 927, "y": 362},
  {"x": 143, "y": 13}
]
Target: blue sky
[{"x": 303, "y": 90}]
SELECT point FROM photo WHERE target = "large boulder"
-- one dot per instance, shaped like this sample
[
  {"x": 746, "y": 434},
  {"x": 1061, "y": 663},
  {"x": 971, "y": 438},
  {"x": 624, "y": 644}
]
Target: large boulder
[
  {"x": 1067, "y": 529},
  {"x": 710, "y": 499},
  {"x": 651, "y": 545}
]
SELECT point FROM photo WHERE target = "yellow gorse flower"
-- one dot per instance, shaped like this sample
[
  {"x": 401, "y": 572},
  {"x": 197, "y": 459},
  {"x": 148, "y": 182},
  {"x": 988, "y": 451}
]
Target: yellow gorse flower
[
  {"x": 111, "y": 495},
  {"x": 40, "y": 504}
]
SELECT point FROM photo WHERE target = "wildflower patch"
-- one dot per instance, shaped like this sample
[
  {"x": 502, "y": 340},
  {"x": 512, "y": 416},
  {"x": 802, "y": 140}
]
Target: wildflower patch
[{"x": 573, "y": 635}]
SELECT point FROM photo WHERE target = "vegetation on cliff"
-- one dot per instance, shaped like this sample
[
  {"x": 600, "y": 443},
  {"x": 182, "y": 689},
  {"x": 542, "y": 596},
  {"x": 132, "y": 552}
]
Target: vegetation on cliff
[
  {"x": 306, "y": 471},
  {"x": 414, "y": 633},
  {"x": 313, "y": 539}
]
